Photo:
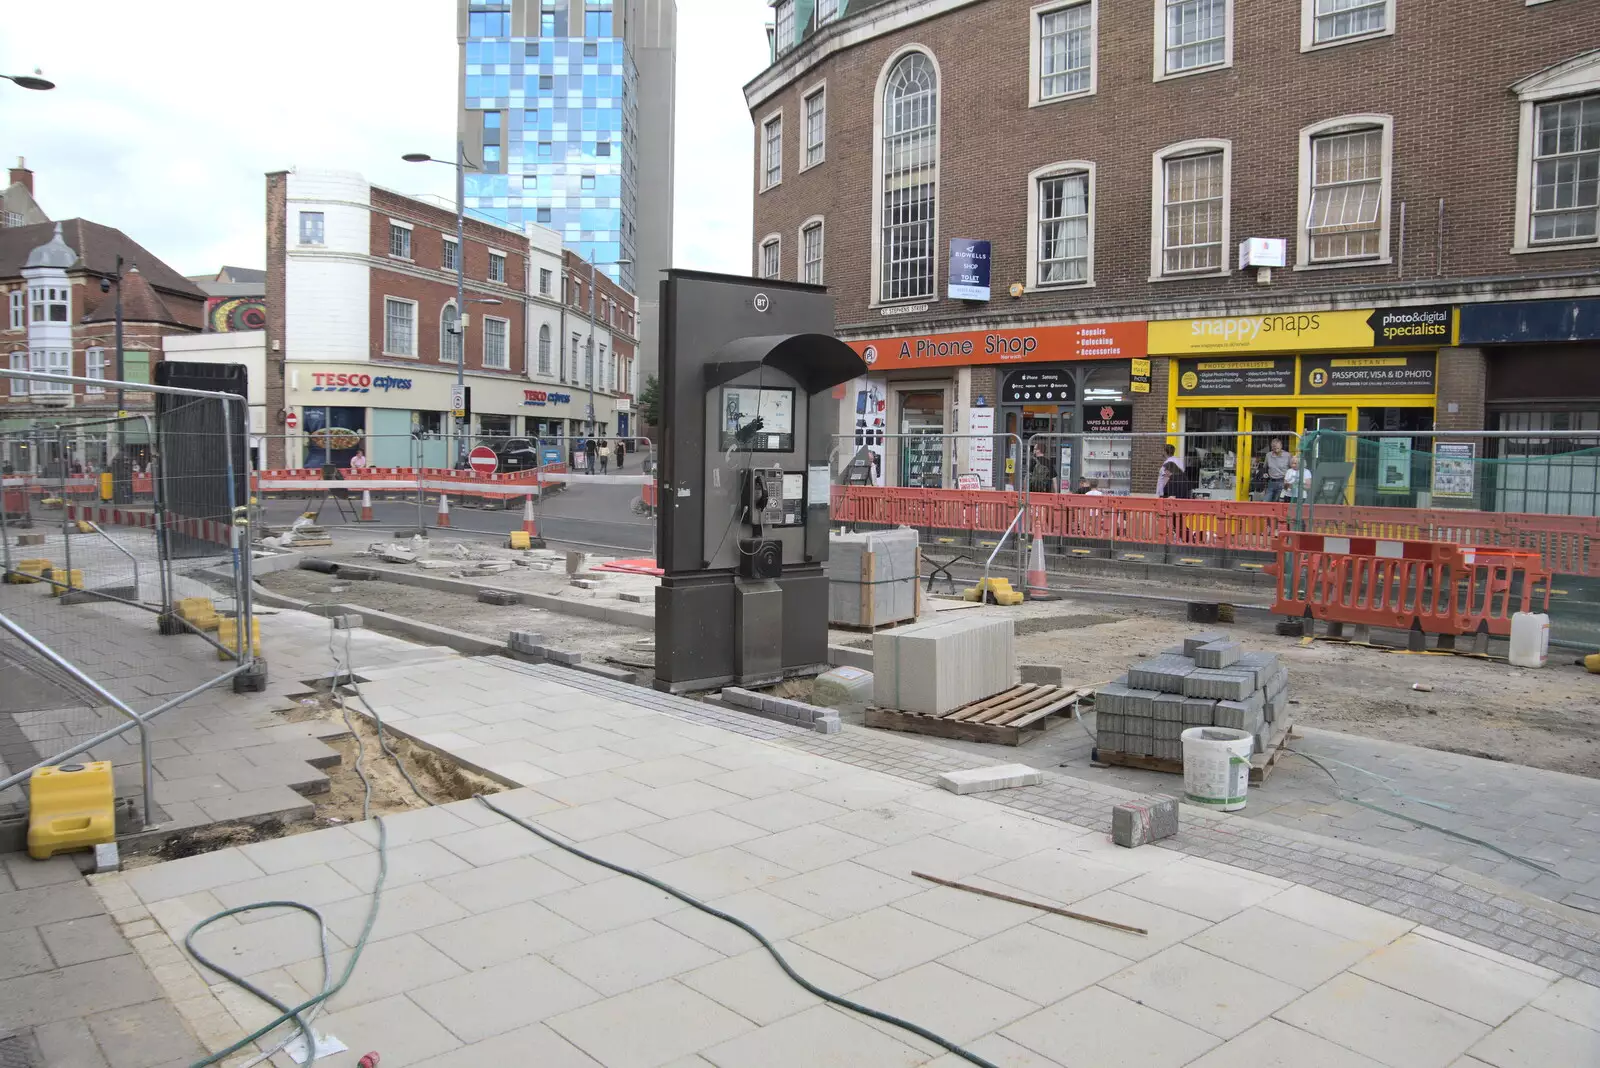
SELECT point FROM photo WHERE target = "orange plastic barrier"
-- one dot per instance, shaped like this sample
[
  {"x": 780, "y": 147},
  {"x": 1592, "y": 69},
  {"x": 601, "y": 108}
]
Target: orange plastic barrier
[
  {"x": 650, "y": 494},
  {"x": 1435, "y": 587}
]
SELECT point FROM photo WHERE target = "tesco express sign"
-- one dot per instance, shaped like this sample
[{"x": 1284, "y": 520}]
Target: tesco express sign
[{"x": 329, "y": 382}]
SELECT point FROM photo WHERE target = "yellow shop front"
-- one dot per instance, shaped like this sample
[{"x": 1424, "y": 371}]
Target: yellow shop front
[{"x": 1364, "y": 381}]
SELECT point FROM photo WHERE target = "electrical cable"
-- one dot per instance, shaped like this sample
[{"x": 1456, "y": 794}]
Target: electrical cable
[
  {"x": 1535, "y": 865},
  {"x": 854, "y": 1006}
]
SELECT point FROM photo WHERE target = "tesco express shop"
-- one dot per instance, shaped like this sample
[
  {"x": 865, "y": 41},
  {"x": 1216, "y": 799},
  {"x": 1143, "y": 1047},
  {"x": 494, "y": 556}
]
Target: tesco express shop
[{"x": 1371, "y": 372}]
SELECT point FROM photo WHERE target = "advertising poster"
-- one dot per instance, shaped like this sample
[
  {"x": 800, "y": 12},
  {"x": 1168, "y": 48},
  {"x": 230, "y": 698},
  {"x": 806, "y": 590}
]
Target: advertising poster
[
  {"x": 969, "y": 269},
  {"x": 980, "y": 449},
  {"x": 865, "y": 466},
  {"x": 1455, "y": 469},
  {"x": 1394, "y": 465}
]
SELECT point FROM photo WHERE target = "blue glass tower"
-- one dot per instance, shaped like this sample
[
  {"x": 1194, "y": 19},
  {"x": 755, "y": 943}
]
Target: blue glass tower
[{"x": 549, "y": 91}]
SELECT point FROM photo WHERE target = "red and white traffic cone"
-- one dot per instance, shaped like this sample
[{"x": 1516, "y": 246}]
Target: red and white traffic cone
[
  {"x": 1038, "y": 584},
  {"x": 529, "y": 526},
  {"x": 444, "y": 512},
  {"x": 366, "y": 506}
]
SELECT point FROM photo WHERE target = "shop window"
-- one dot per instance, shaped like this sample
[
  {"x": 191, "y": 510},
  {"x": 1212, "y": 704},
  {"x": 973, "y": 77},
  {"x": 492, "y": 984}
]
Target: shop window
[
  {"x": 1344, "y": 190},
  {"x": 1209, "y": 450},
  {"x": 1558, "y": 166},
  {"x": 1191, "y": 186},
  {"x": 1061, "y": 226},
  {"x": 1544, "y": 475},
  {"x": 333, "y": 435},
  {"x": 1393, "y": 456},
  {"x": 908, "y": 189}
]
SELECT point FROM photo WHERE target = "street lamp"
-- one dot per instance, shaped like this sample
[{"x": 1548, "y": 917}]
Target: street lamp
[
  {"x": 462, "y": 166},
  {"x": 30, "y": 81}
]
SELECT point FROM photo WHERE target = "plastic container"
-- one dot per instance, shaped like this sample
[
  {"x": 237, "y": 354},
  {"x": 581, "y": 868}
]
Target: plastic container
[
  {"x": 1216, "y": 767},
  {"x": 1530, "y": 639}
]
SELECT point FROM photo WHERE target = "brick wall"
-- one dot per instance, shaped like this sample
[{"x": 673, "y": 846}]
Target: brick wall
[
  {"x": 277, "y": 187},
  {"x": 1150, "y": 416},
  {"x": 1455, "y": 137}
]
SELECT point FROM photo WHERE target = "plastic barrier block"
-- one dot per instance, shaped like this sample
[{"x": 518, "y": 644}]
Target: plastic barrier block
[
  {"x": 198, "y": 612},
  {"x": 28, "y": 571},
  {"x": 61, "y": 581},
  {"x": 519, "y": 539},
  {"x": 70, "y": 807},
  {"x": 228, "y": 635}
]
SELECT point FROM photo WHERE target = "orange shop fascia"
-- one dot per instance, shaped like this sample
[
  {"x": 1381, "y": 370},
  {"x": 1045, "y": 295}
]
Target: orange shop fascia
[{"x": 1040, "y": 344}]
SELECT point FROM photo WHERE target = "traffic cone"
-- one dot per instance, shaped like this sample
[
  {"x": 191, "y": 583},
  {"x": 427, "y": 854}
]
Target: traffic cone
[
  {"x": 529, "y": 527},
  {"x": 1038, "y": 584},
  {"x": 444, "y": 512},
  {"x": 366, "y": 506}
]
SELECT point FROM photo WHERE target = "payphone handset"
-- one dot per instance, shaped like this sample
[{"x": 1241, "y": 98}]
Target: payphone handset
[{"x": 774, "y": 497}]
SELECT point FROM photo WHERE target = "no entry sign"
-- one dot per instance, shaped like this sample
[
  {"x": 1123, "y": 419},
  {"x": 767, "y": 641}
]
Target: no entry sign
[{"x": 482, "y": 460}]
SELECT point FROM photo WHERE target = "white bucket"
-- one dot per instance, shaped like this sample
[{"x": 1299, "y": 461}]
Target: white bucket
[{"x": 1216, "y": 767}]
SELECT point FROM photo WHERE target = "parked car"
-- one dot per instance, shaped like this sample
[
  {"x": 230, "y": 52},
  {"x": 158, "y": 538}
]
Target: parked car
[{"x": 516, "y": 454}]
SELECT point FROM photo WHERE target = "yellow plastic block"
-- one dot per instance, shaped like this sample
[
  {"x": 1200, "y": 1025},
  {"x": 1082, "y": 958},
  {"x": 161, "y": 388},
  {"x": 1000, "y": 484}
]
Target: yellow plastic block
[
  {"x": 28, "y": 571},
  {"x": 518, "y": 539},
  {"x": 199, "y": 612},
  {"x": 228, "y": 635},
  {"x": 85, "y": 528},
  {"x": 70, "y": 807},
  {"x": 999, "y": 589},
  {"x": 60, "y": 581}
]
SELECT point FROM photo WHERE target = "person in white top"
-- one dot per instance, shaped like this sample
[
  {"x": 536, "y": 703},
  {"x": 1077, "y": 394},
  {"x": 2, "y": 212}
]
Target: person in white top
[
  {"x": 359, "y": 459},
  {"x": 1171, "y": 466}
]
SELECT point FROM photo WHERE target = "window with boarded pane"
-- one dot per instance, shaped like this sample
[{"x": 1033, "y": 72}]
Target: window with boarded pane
[
  {"x": 910, "y": 179},
  {"x": 1566, "y": 170},
  {"x": 1066, "y": 49},
  {"x": 1192, "y": 204},
  {"x": 1346, "y": 206},
  {"x": 1063, "y": 246},
  {"x": 1196, "y": 34}
]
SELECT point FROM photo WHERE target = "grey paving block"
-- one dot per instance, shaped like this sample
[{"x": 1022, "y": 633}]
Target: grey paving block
[
  {"x": 1199, "y": 712},
  {"x": 1169, "y": 707},
  {"x": 143, "y": 1035},
  {"x": 1141, "y": 703},
  {"x": 1111, "y": 741},
  {"x": 1143, "y": 726},
  {"x": 1108, "y": 721},
  {"x": 1220, "y": 685},
  {"x": 22, "y": 951},
  {"x": 273, "y": 802},
  {"x": 1240, "y": 715},
  {"x": 1194, "y": 642},
  {"x": 47, "y": 904},
  {"x": 1137, "y": 822},
  {"x": 1168, "y": 730},
  {"x": 76, "y": 990},
  {"x": 84, "y": 939},
  {"x": 1166, "y": 749},
  {"x": 997, "y": 777},
  {"x": 1218, "y": 654}
]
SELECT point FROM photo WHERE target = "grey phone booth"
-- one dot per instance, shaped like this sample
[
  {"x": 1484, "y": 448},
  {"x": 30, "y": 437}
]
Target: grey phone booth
[{"x": 742, "y": 529}]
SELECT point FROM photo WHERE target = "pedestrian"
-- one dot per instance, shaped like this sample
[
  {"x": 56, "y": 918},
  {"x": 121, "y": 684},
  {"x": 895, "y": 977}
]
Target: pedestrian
[
  {"x": 1277, "y": 469},
  {"x": 1172, "y": 476},
  {"x": 359, "y": 460},
  {"x": 588, "y": 455},
  {"x": 605, "y": 455},
  {"x": 621, "y": 453},
  {"x": 1091, "y": 488},
  {"x": 1041, "y": 472}
]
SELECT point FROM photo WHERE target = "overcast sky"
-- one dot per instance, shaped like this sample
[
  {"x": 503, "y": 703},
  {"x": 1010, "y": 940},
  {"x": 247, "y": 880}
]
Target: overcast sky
[{"x": 168, "y": 112}]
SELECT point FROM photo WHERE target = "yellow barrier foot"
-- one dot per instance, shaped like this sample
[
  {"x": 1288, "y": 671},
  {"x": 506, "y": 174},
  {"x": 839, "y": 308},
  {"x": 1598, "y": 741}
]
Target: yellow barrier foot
[{"x": 70, "y": 807}]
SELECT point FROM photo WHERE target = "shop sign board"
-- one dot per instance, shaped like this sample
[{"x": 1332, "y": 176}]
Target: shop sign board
[
  {"x": 1047, "y": 385},
  {"x": 980, "y": 447},
  {"x": 1394, "y": 465},
  {"x": 969, "y": 269},
  {"x": 1305, "y": 331},
  {"x": 1234, "y": 378},
  {"x": 538, "y": 398},
  {"x": 1041, "y": 344},
  {"x": 1455, "y": 468},
  {"x": 1410, "y": 373},
  {"x": 1528, "y": 321},
  {"x": 1108, "y": 419},
  {"x": 1139, "y": 375}
]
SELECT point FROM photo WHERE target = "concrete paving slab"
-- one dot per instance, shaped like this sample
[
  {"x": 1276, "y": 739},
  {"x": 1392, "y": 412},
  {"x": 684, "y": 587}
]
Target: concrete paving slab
[{"x": 649, "y": 1026}]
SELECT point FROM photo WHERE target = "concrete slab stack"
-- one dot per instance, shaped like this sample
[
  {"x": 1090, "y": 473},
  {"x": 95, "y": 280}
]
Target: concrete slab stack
[
  {"x": 872, "y": 578},
  {"x": 1211, "y": 682},
  {"x": 934, "y": 667}
]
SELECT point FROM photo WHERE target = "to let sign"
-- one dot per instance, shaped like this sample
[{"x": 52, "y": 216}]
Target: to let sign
[
  {"x": 969, "y": 269},
  {"x": 483, "y": 461}
]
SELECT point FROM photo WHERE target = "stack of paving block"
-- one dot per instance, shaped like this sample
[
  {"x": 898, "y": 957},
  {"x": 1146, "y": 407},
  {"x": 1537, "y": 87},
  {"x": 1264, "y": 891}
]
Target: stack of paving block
[
  {"x": 872, "y": 578},
  {"x": 933, "y": 667},
  {"x": 1209, "y": 681}
]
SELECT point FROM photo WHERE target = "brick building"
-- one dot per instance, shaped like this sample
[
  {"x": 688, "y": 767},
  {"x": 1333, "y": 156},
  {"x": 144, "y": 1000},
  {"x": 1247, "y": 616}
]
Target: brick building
[
  {"x": 362, "y": 337},
  {"x": 1202, "y": 218},
  {"x": 58, "y": 286}
]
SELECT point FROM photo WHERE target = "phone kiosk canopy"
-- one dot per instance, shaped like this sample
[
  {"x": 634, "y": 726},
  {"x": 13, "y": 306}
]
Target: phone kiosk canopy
[{"x": 744, "y": 478}]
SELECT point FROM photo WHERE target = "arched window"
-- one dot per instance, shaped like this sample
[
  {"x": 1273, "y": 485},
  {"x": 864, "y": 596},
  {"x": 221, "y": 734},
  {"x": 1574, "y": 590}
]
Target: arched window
[
  {"x": 910, "y": 175},
  {"x": 449, "y": 336},
  {"x": 544, "y": 349}
]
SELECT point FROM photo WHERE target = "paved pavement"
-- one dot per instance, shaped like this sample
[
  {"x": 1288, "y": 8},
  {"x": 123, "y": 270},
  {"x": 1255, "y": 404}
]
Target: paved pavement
[{"x": 493, "y": 947}]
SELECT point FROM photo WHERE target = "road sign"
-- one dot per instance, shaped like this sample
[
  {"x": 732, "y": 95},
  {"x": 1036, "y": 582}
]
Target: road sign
[
  {"x": 458, "y": 399},
  {"x": 291, "y": 420},
  {"x": 482, "y": 460}
]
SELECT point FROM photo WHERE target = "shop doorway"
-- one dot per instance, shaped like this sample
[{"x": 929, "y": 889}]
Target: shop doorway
[
  {"x": 922, "y": 450},
  {"x": 1264, "y": 427},
  {"x": 1328, "y": 446}
]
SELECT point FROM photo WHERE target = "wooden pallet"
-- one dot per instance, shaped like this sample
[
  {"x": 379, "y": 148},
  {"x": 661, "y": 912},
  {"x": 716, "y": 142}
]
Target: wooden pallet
[
  {"x": 1261, "y": 764},
  {"x": 1002, "y": 719}
]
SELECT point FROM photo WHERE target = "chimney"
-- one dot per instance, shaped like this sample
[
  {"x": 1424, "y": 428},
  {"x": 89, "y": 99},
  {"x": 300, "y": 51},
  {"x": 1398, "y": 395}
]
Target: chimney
[{"x": 21, "y": 175}]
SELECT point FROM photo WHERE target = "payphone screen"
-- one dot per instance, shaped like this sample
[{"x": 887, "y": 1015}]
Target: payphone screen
[{"x": 757, "y": 419}]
